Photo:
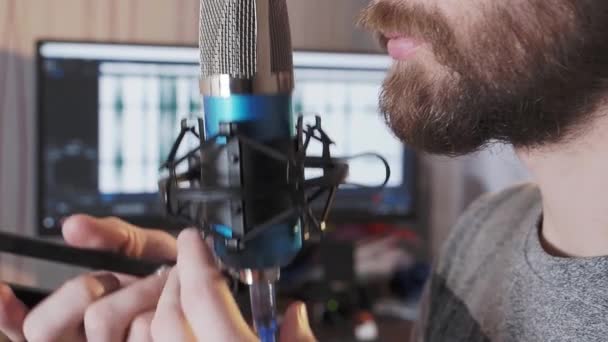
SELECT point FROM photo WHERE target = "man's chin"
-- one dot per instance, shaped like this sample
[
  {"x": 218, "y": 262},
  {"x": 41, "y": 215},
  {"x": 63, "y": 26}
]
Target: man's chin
[{"x": 430, "y": 130}]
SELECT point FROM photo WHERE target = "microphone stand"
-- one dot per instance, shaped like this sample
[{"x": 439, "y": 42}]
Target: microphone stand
[{"x": 54, "y": 252}]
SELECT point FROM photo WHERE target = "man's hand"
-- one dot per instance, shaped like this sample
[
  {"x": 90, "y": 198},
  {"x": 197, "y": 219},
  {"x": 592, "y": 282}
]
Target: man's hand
[
  {"x": 99, "y": 306},
  {"x": 196, "y": 303}
]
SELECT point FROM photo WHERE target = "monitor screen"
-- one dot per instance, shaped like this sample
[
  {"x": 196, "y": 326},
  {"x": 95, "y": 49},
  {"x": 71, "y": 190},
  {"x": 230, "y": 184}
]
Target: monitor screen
[{"x": 109, "y": 114}]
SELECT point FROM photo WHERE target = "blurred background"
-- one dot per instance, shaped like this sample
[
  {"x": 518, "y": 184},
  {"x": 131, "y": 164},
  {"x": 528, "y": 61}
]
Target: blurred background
[{"x": 91, "y": 94}]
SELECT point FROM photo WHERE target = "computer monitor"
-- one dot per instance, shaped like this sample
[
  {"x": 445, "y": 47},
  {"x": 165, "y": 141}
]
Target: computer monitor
[{"x": 109, "y": 113}]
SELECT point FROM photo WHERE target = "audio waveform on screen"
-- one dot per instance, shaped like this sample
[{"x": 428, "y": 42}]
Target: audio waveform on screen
[
  {"x": 141, "y": 106},
  {"x": 140, "y": 109}
]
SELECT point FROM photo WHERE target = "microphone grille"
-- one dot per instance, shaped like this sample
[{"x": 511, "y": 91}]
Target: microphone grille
[
  {"x": 280, "y": 36},
  {"x": 228, "y": 38}
]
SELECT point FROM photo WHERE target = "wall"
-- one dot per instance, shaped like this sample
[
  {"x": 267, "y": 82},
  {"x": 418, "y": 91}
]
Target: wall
[{"x": 316, "y": 24}]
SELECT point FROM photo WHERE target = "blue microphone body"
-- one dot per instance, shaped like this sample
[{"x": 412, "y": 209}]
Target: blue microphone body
[{"x": 267, "y": 119}]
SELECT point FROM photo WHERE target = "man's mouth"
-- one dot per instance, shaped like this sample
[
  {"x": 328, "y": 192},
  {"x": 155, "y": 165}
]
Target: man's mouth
[{"x": 400, "y": 47}]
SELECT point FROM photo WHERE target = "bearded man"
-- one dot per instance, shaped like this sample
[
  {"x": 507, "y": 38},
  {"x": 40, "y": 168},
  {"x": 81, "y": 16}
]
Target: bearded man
[{"x": 527, "y": 264}]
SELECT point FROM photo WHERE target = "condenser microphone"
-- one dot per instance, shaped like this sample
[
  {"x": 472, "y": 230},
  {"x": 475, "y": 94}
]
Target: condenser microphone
[
  {"x": 245, "y": 185},
  {"x": 246, "y": 84}
]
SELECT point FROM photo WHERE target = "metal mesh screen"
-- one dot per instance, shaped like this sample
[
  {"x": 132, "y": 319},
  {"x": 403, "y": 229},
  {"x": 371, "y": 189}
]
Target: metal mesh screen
[
  {"x": 280, "y": 36},
  {"x": 227, "y": 38}
]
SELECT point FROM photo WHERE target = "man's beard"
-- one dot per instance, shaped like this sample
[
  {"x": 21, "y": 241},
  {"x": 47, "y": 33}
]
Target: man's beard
[{"x": 530, "y": 76}]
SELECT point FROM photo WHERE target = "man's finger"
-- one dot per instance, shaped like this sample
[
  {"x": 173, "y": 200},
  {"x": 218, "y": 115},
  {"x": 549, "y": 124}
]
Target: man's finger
[
  {"x": 12, "y": 314},
  {"x": 140, "y": 328},
  {"x": 204, "y": 295},
  {"x": 60, "y": 316},
  {"x": 169, "y": 323},
  {"x": 108, "y": 319},
  {"x": 113, "y": 234},
  {"x": 295, "y": 326}
]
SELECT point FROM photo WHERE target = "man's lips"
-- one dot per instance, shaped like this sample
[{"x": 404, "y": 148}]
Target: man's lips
[{"x": 400, "y": 47}]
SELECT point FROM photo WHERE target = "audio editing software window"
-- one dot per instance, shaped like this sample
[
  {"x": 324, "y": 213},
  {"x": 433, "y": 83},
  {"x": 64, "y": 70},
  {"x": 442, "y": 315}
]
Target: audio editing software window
[
  {"x": 141, "y": 106},
  {"x": 109, "y": 114}
]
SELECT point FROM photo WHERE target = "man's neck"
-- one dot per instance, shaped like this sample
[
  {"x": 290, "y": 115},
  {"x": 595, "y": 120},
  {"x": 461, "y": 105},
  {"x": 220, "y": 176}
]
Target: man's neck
[{"x": 573, "y": 179}]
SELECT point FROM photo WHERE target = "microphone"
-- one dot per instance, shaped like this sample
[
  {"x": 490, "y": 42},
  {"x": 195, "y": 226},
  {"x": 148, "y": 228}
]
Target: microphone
[
  {"x": 247, "y": 81},
  {"x": 244, "y": 184}
]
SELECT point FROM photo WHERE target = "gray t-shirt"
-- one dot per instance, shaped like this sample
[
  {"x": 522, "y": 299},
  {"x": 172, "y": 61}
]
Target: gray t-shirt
[{"x": 494, "y": 282}]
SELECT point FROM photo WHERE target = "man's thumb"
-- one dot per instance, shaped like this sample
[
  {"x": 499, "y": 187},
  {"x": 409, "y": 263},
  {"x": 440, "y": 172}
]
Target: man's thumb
[{"x": 295, "y": 325}]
